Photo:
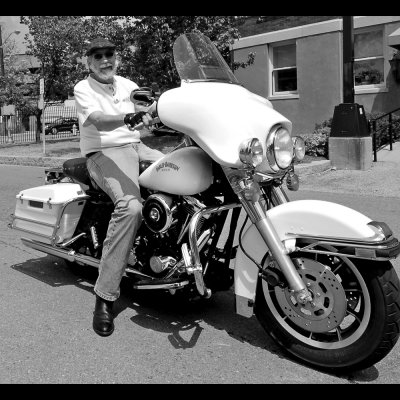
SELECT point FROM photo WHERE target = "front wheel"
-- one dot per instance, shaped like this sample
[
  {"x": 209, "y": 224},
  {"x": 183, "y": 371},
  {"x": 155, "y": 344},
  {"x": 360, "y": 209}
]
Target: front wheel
[{"x": 351, "y": 323}]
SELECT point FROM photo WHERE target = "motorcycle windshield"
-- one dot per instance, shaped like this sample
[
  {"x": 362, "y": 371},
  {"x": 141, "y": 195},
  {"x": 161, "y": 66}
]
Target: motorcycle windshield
[
  {"x": 211, "y": 106},
  {"x": 196, "y": 58}
]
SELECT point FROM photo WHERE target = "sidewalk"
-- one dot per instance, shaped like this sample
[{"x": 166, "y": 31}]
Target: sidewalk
[{"x": 382, "y": 179}]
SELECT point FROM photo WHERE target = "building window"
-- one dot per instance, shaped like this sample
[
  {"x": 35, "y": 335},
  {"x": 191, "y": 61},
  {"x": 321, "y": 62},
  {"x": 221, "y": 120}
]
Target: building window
[
  {"x": 284, "y": 70},
  {"x": 368, "y": 58}
]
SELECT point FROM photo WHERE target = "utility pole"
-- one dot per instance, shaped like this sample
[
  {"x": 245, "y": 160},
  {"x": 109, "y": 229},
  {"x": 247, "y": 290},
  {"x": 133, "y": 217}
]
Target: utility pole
[
  {"x": 349, "y": 141},
  {"x": 348, "y": 59}
]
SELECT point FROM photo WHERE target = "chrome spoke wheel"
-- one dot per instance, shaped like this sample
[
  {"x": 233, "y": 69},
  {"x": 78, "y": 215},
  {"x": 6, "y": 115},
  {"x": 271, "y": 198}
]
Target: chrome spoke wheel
[{"x": 340, "y": 308}]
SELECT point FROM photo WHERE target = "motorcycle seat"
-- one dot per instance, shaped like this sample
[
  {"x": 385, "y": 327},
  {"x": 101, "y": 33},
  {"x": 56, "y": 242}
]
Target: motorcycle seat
[{"x": 76, "y": 169}]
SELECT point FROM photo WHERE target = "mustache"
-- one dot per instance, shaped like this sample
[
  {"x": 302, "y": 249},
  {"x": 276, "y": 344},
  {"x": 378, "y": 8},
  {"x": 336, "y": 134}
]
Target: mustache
[
  {"x": 109, "y": 69},
  {"x": 102, "y": 69}
]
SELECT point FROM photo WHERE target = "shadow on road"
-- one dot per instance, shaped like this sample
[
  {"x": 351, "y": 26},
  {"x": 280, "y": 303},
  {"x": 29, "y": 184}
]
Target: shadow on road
[
  {"x": 175, "y": 315},
  {"x": 54, "y": 272}
]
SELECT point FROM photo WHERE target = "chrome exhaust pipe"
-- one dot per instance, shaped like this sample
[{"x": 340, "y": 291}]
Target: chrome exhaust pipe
[
  {"x": 72, "y": 256},
  {"x": 69, "y": 255}
]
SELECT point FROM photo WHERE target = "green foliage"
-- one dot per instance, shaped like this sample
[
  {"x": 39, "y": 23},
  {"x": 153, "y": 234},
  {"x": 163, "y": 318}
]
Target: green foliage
[
  {"x": 144, "y": 44},
  {"x": 14, "y": 85},
  {"x": 317, "y": 141},
  {"x": 153, "y": 38},
  {"x": 58, "y": 42},
  {"x": 16, "y": 89}
]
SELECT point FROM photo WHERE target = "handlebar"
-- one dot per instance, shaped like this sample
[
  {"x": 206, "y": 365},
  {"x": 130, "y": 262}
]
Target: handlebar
[
  {"x": 155, "y": 120},
  {"x": 144, "y": 100},
  {"x": 143, "y": 95}
]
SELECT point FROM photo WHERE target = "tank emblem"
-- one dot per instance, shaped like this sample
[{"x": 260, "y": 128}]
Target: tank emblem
[{"x": 167, "y": 165}]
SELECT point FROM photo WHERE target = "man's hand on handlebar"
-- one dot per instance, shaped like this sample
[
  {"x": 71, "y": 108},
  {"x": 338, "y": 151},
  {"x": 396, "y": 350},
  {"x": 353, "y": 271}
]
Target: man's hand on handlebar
[{"x": 132, "y": 120}]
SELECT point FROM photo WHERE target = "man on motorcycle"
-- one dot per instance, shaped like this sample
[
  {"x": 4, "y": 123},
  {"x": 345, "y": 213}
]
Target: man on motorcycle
[{"x": 105, "y": 113}]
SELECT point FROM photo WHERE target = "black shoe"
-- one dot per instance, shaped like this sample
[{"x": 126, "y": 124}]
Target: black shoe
[{"x": 103, "y": 318}]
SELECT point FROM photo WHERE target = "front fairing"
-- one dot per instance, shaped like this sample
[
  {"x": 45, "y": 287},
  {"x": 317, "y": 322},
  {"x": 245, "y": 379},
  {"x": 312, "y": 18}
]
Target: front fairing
[
  {"x": 219, "y": 117},
  {"x": 211, "y": 107}
]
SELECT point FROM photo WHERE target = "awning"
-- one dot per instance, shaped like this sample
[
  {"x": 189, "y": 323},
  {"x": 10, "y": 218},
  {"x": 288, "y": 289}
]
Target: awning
[{"x": 394, "y": 39}]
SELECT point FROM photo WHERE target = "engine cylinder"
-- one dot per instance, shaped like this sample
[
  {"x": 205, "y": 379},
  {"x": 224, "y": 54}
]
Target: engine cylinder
[
  {"x": 158, "y": 263},
  {"x": 158, "y": 212}
]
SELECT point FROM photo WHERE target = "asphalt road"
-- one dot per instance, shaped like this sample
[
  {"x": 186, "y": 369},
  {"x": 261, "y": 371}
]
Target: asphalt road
[{"x": 46, "y": 315}]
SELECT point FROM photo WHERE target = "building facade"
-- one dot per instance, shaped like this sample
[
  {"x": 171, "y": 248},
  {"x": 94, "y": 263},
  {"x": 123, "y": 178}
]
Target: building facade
[{"x": 300, "y": 68}]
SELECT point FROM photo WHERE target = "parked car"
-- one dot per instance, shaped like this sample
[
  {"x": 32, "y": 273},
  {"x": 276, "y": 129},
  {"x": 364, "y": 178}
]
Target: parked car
[{"x": 62, "y": 124}]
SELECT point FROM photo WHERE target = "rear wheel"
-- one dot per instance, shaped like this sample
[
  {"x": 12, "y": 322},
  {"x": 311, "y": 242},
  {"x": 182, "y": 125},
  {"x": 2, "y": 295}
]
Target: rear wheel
[
  {"x": 351, "y": 323},
  {"x": 54, "y": 131}
]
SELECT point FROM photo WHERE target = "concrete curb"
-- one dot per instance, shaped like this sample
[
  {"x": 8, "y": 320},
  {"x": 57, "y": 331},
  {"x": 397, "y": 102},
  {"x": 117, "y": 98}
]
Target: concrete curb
[
  {"x": 33, "y": 161},
  {"x": 314, "y": 167},
  {"x": 50, "y": 162}
]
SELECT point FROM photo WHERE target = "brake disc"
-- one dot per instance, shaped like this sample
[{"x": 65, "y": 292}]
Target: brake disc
[{"x": 328, "y": 306}]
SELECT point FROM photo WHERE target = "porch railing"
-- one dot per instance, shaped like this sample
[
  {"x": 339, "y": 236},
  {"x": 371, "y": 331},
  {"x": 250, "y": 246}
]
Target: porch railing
[{"x": 372, "y": 123}]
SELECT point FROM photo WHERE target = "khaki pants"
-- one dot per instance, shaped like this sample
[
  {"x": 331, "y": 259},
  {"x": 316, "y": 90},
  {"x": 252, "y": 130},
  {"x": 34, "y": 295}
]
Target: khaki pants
[{"x": 116, "y": 171}]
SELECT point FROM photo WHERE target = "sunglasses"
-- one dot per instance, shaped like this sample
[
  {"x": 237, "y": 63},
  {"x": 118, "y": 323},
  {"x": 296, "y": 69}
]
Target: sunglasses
[{"x": 99, "y": 56}]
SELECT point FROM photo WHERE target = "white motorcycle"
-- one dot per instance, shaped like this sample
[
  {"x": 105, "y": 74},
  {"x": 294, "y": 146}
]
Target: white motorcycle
[{"x": 316, "y": 274}]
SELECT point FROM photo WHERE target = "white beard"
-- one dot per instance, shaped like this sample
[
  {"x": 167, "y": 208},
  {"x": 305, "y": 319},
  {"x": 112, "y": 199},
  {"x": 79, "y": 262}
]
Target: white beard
[{"x": 105, "y": 75}]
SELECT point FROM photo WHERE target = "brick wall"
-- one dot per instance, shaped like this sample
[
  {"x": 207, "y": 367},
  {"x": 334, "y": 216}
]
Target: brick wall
[{"x": 263, "y": 24}]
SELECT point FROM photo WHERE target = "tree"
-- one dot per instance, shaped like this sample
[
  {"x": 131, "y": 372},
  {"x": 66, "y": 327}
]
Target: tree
[
  {"x": 144, "y": 44},
  {"x": 17, "y": 86},
  {"x": 57, "y": 42},
  {"x": 153, "y": 38},
  {"x": 16, "y": 90}
]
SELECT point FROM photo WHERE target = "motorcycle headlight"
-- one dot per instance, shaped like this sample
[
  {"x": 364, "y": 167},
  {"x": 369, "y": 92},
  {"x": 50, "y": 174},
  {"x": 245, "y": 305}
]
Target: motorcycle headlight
[
  {"x": 279, "y": 148},
  {"x": 251, "y": 152},
  {"x": 299, "y": 147}
]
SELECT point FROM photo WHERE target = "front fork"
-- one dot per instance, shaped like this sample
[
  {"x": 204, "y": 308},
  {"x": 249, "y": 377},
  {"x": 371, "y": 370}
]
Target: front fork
[{"x": 248, "y": 192}]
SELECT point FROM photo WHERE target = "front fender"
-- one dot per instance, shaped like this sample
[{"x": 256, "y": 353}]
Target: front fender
[{"x": 302, "y": 217}]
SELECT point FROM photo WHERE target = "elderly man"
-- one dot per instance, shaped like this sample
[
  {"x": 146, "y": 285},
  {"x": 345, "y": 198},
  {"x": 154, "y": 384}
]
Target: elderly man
[{"x": 113, "y": 150}]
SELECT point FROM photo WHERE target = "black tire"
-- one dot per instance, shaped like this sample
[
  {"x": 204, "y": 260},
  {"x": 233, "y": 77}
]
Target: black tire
[
  {"x": 54, "y": 131},
  {"x": 367, "y": 329}
]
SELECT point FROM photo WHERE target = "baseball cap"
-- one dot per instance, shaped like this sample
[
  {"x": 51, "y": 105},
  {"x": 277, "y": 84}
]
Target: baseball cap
[{"x": 99, "y": 43}]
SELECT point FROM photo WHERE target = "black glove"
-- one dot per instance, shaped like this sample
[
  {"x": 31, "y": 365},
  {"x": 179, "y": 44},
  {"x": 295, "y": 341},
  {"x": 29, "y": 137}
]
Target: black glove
[{"x": 132, "y": 119}]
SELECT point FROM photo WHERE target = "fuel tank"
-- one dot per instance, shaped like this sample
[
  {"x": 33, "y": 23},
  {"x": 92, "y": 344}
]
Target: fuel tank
[{"x": 185, "y": 171}]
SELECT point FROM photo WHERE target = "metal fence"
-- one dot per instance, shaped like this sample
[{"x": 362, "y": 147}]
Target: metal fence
[
  {"x": 384, "y": 131},
  {"x": 60, "y": 122}
]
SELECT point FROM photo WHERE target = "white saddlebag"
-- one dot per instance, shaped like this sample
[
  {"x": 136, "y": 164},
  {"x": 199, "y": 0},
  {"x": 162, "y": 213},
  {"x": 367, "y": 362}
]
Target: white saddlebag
[{"x": 49, "y": 213}]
